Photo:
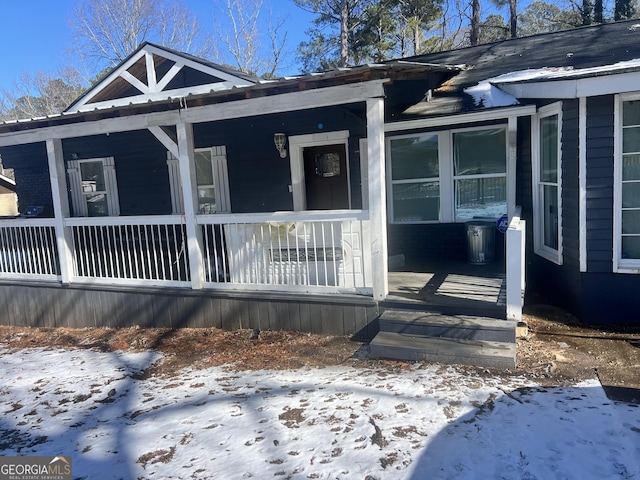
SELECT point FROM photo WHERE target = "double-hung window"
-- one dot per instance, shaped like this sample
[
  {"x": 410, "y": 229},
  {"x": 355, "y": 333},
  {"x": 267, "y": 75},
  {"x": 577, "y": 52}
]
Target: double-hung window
[
  {"x": 627, "y": 185},
  {"x": 94, "y": 189},
  {"x": 415, "y": 182},
  {"x": 480, "y": 173},
  {"x": 212, "y": 181},
  {"x": 547, "y": 206}
]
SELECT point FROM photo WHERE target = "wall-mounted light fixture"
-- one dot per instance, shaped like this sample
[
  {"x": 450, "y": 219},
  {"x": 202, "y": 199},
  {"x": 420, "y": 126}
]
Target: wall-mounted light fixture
[{"x": 280, "y": 139}]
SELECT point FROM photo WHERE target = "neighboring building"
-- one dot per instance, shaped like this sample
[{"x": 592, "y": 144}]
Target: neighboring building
[
  {"x": 279, "y": 202},
  {"x": 8, "y": 197}
]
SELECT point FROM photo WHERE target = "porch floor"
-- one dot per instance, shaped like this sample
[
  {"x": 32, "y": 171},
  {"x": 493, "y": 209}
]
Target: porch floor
[{"x": 453, "y": 287}]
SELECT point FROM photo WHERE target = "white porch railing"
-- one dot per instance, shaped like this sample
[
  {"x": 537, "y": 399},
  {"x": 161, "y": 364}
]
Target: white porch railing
[
  {"x": 290, "y": 251},
  {"x": 130, "y": 249},
  {"x": 515, "y": 266},
  {"x": 293, "y": 251},
  {"x": 28, "y": 249}
]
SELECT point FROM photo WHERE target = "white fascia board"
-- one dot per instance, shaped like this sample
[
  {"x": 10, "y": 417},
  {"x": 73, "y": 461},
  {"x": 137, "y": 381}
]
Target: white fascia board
[
  {"x": 156, "y": 96},
  {"x": 574, "y": 88},
  {"x": 494, "y": 114},
  {"x": 286, "y": 102}
]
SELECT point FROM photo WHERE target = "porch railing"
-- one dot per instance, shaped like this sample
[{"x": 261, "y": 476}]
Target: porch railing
[
  {"x": 296, "y": 251},
  {"x": 515, "y": 266},
  {"x": 290, "y": 251},
  {"x": 28, "y": 249},
  {"x": 130, "y": 249}
]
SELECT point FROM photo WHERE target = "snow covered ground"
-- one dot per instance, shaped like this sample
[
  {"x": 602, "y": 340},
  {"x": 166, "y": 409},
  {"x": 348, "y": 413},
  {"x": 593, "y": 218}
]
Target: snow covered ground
[{"x": 364, "y": 421}]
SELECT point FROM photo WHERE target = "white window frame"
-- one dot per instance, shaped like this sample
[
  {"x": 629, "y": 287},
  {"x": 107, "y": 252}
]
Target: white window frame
[
  {"x": 220, "y": 178},
  {"x": 443, "y": 172},
  {"x": 620, "y": 265},
  {"x": 454, "y": 177},
  {"x": 78, "y": 197},
  {"x": 447, "y": 178},
  {"x": 551, "y": 254}
]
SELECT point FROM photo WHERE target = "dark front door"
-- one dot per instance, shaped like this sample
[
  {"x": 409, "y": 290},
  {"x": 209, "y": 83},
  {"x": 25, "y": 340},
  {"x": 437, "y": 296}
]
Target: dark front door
[{"x": 326, "y": 180}]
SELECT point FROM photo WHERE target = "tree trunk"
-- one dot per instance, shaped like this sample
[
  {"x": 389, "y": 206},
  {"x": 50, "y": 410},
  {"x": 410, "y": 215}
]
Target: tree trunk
[
  {"x": 587, "y": 10},
  {"x": 475, "y": 22},
  {"x": 344, "y": 34},
  {"x": 513, "y": 17},
  {"x": 598, "y": 11}
]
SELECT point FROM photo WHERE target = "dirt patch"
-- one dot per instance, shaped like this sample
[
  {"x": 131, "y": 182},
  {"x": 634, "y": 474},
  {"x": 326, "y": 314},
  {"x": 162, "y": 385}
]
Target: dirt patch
[
  {"x": 557, "y": 350},
  {"x": 560, "y": 348}
]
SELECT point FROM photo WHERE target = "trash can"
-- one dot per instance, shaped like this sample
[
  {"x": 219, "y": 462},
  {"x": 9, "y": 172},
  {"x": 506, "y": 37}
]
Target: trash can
[{"x": 481, "y": 241}]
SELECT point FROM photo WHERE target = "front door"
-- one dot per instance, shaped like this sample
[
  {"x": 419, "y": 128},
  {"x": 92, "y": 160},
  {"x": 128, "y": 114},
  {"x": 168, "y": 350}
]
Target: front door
[{"x": 326, "y": 179}]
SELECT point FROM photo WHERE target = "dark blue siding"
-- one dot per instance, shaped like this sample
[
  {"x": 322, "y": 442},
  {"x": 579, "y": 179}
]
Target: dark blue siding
[
  {"x": 258, "y": 178},
  {"x": 599, "y": 183}
]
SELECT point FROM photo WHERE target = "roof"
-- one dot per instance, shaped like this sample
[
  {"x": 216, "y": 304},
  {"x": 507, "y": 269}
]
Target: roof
[
  {"x": 210, "y": 94},
  {"x": 587, "y": 51},
  {"x": 156, "y": 78},
  {"x": 7, "y": 183}
]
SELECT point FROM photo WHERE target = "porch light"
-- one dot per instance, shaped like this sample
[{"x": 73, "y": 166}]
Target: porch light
[{"x": 280, "y": 139}]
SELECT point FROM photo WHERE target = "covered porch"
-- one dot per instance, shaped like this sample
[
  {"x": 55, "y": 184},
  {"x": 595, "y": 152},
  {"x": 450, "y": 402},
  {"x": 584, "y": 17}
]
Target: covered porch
[{"x": 132, "y": 234}]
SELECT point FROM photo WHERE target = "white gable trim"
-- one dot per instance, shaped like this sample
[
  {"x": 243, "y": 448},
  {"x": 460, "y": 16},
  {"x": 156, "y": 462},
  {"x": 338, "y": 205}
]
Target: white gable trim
[{"x": 154, "y": 89}]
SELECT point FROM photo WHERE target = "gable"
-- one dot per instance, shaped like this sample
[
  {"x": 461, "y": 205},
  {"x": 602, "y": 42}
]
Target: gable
[{"x": 154, "y": 73}]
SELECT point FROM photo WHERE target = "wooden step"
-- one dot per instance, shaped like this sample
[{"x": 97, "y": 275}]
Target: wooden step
[
  {"x": 400, "y": 346},
  {"x": 459, "y": 308},
  {"x": 434, "y": 324}
]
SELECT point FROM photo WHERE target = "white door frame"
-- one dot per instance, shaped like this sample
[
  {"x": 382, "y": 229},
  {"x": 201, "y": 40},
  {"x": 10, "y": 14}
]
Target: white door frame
[{"x": 297, "y": 144}]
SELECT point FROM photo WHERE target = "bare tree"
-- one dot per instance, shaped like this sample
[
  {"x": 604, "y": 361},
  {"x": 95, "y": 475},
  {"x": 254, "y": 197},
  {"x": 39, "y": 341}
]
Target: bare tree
[
  {"x": 40, "y": 94},
  {"x": 107, "y": 31},
  {"x": 240, "y": 29}
]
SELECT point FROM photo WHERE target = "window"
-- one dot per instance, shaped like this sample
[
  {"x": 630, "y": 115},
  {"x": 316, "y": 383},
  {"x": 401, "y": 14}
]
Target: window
[
  {"x": 94, "y": 190},
  {"x": 415, "y": 184},
  {"x": 211, "y": 178},
  {"x": 627, "y": 192},
  {"x": 448, "y": 176},
  {"x": 546, "y": 176},
  {"x": 480, "y": 173}
]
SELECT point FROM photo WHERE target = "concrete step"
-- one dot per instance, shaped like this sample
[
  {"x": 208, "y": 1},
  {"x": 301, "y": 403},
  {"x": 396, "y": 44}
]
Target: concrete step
[
  {"x": 399, "y": 346},
  {"x": 434, "y": 324}
]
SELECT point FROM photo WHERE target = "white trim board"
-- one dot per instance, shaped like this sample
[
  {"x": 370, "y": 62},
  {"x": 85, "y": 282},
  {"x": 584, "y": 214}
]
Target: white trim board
[{"x": 286, "y": 102}]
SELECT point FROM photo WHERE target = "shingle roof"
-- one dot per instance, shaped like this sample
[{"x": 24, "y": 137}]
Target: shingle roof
[{"x": 580, "y": 48}]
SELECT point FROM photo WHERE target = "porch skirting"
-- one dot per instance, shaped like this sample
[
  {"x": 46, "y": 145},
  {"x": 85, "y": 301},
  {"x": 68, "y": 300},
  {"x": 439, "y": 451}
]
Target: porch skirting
[{"x": 36, "y": 304}]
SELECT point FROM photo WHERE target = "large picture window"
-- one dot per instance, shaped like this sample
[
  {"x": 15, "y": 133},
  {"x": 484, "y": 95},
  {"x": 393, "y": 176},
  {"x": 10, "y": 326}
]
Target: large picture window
[
  {"x": 547, "y": 187},
  {"x": 415, "y": 185},
  {"x": 628, "y": 185}
]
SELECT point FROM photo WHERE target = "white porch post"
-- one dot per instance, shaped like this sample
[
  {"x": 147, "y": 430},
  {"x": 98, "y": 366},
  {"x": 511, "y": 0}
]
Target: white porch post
[
  {"x": 377, "y": 196},
  {"x": 58, "y": 179},
  {"x": 190, "y": 192}
]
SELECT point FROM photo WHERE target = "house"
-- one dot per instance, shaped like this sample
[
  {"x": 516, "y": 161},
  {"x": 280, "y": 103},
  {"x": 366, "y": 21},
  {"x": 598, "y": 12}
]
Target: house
[
  {"x": 177, "y": 192},
  {"x": 8, "y": 199}
]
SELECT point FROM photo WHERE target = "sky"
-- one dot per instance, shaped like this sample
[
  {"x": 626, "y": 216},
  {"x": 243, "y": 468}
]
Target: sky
[
  {"x": 35, "y": 34},
  {"x": 358, "y": 420}
]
